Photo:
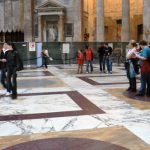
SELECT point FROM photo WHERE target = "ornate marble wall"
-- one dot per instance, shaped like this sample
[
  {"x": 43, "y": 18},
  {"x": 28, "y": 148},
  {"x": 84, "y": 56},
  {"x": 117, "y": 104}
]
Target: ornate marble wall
[
  {"x": 83, "y": 20},
  {"x": 11, "y": 15}
]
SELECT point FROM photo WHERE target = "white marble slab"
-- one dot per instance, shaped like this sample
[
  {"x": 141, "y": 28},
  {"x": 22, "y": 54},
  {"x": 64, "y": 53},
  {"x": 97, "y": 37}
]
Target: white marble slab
[
  {"x": 38, "y": 104},
  {"x": 112, "y": 79},
  {"x": 49, "y": 125}
]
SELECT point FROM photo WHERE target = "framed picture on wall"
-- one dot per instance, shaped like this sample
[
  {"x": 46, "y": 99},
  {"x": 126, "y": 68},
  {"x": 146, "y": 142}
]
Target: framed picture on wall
[{"x": 68, "y": 30}]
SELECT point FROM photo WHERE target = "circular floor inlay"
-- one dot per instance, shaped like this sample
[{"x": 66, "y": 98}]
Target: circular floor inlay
[{"x": 66, "y": 144}]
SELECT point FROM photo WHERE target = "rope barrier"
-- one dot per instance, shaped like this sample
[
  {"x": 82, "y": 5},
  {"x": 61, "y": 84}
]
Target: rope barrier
[{"x": 48, "y": 57}]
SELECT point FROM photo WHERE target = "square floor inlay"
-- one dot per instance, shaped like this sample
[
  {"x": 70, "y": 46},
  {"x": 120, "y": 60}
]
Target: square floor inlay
[
  {"x": 38, "y": 104},
  {"x": 112, "y": 79},
  {"x": 105, "y": 80},
  {"x": 47, "y": 105}
]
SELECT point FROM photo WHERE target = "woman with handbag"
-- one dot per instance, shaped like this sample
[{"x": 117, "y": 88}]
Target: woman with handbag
[{"x": 131, "y": 67}]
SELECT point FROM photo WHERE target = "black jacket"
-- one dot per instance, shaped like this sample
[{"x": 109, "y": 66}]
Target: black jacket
[
  {"x": 14, "y": 60},
  {"x": 101, "y": 51},
  {"x": 3, "y": 56},
  {"x": 108, "y": 51}
]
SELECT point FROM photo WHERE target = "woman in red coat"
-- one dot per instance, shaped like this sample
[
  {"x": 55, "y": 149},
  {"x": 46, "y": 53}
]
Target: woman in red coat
[{"x": 80, "y": 61}]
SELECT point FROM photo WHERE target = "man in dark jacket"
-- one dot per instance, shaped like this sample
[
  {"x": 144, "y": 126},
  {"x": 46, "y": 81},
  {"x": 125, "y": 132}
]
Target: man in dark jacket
[
  {"x": 101, "y": 53},
  {"x": 12, "y": 59}
]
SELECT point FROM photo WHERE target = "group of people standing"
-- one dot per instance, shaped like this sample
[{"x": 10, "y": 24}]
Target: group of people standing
[
  {"x": 104, "y": 52},
  {"x": 138, "y": 58},
  {"x": 9, "y": 60},
  {"x": 86, "y": 55}
]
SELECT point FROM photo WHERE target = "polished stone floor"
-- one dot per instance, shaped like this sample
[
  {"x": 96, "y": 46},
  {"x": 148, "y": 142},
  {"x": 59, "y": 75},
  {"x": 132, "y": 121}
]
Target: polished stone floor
[{"x": 58, "y": 109}]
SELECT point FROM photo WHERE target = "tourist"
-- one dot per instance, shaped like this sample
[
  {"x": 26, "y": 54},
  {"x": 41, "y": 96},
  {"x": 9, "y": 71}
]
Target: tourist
[
  {"x": 89, "y": 59},
  {"x": 107, "y": 58},
  {"x": 80, "y": 61},
  {"x": 145, "y": 69},
  {"x": 45, "y": 57},
  {"x": 101, "y": 57},
  {"x": 132, "y": 65}
]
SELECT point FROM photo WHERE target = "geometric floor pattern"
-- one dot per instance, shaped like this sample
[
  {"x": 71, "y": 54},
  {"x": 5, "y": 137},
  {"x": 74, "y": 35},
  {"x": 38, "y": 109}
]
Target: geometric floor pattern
[{"x": 78, "y": 111}]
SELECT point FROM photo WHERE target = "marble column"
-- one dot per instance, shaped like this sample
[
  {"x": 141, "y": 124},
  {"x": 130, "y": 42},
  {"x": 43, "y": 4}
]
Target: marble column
[
  {"x": 39, "y": 28},
  {"x": 44, "y": 25},
  {"x": 91, "y": 19},
  {"x": 125, "y": 37},
  {"x": 61, "y": 28},
  {"x": 28, "y": 30},
  {"x": 100, "y": 37},
  {"x": 78, "y": 20},
  {"x": 146, "y": 20}
]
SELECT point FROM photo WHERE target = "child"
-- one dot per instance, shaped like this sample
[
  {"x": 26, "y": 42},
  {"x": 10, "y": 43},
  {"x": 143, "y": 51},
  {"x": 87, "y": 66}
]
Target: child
[{"x": 80, "y": 60}]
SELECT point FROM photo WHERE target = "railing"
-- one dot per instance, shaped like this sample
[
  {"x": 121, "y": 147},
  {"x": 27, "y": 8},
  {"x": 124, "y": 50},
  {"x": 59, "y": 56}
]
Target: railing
[{"x": 60, "y": 56}]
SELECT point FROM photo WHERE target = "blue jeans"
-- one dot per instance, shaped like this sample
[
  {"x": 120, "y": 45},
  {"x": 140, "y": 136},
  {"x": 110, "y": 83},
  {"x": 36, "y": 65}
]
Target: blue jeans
[
  {"x": 89, "y": 62},
  {"x": 109, "y": 64},
  {"x": 3, "y": 78},
  {"x": 143, "y": 86}
]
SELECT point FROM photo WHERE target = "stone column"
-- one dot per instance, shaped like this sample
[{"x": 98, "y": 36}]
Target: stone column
[
  {"x": 28, "y": 30},
  {"x": 44, "y": 30},
  {"x": 91, "y": 19},
  {"x": 78, "y": 20},
  {"x": 100, "y": 37},
  {"x": 61, "y": 28},
  {"x": 146, "y": 20},
  {"x": 39, "y": 28},
  {"x": 125, "y": 37}
]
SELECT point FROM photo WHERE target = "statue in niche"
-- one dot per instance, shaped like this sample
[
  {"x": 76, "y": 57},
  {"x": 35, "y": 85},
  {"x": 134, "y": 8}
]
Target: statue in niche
[{"x": 52, "y": 33}]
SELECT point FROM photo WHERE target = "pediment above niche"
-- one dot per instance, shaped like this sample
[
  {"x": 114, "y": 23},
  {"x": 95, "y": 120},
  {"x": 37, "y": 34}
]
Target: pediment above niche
[{"x": 50, "y": 4}]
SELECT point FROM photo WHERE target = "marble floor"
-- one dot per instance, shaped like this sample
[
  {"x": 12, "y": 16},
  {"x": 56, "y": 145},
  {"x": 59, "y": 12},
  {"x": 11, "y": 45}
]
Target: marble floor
[{"x": 58, "y": 109}]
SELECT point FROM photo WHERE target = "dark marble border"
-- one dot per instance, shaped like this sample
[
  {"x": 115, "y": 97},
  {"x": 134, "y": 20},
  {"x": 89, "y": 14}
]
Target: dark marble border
[
  {"x": 88, "y": 108},
  {"x": 66, "y": 143},
  {"x": 45, "y": 73},
  {"x": 92, "y": 82}
]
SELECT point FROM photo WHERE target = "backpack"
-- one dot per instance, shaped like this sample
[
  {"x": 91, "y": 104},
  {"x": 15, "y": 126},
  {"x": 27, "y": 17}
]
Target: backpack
[{"x": 19, "y": 62}]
